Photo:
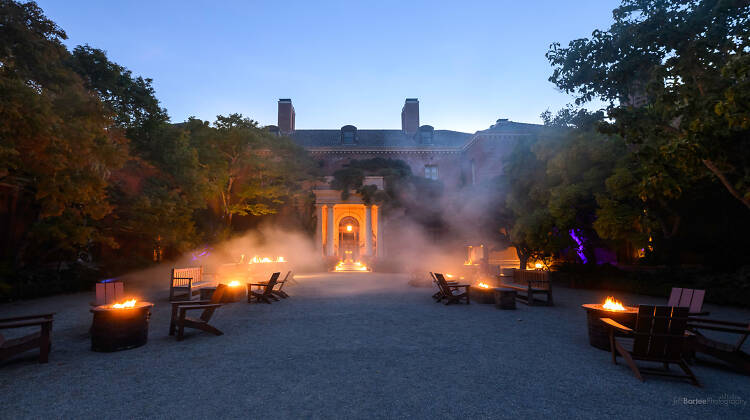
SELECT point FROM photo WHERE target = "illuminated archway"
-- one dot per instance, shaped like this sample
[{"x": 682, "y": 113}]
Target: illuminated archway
[{"x": 348, "y": 232}]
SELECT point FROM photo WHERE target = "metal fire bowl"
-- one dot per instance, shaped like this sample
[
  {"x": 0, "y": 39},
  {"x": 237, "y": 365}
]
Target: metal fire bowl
[
  {"x": 482, "y": 295},
  {"x": 115, "y": 329},
  {"x": 598, "y": 331}
]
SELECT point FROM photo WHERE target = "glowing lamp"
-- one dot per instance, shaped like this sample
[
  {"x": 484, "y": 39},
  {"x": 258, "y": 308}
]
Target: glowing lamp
[{"x": 348, "y": 228}]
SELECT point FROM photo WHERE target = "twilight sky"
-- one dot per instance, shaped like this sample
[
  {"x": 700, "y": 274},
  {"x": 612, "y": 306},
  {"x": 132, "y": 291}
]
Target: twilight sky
[{"x": 341, "y": 62}]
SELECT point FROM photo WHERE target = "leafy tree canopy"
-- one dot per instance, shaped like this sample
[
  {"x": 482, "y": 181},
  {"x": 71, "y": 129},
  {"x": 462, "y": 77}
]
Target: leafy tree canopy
[
  {"x": 55, "y": 145},
  {"x": 251, "y": 171},
  {"x": 675, "y": 75}
]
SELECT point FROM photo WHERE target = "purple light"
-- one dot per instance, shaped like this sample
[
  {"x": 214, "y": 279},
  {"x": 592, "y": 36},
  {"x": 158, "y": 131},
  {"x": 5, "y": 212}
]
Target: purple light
[
  {"x": 579, "y": 241},
  {"x": 202, "y": 254}
]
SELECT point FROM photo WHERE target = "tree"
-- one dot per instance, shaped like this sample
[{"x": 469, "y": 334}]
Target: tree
[
  {"x": 416, "y": 196},
  {"x": 56, "y": 146},
  {"x": 521, "y": 215},
  {"x": 132, "y": 99},
  {"x": 396, "y": 175},
  {"x": 675, "y": 76},
  {"x": 251, "y": 171},
  {"x": 162, "y": 185},
  {"x": 578, "y": 161}
]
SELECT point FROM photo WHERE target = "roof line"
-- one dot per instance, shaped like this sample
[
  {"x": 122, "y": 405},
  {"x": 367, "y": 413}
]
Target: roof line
[{"x": 383, "y": 150}]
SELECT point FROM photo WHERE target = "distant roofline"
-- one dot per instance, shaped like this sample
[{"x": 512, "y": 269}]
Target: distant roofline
[
  {"x": 377, "y": 129},
  {"x": 353, "y": 149}
]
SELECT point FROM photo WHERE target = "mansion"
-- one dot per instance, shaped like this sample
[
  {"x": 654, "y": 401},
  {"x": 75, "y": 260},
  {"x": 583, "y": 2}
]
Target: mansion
[{"x": 349, "y": 229}]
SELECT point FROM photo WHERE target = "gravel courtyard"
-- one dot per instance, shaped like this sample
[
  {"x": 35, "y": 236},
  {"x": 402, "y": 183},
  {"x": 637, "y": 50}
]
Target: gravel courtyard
[{"x": 355, "y": 345}]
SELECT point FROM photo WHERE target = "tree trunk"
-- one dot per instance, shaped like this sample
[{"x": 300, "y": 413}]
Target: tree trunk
[
  {"x": 226, "y": 198},
  {"x": 523, "y": 258}
]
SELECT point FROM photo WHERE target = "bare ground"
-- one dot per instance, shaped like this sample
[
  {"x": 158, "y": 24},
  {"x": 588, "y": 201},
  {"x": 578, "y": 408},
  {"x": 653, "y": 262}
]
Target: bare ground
[{"x": 356, "y": 346}]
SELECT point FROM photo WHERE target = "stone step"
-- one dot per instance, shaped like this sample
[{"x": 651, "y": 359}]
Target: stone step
[{"x": 344, "y": 266}]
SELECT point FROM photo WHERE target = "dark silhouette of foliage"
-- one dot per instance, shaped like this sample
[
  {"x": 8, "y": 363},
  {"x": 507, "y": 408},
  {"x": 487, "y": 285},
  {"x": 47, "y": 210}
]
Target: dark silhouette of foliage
[{"x": 674, "y": 73}]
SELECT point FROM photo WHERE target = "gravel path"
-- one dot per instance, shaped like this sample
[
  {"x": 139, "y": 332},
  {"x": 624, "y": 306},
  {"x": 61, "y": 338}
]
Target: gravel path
[{"x": 356, "y": 346}]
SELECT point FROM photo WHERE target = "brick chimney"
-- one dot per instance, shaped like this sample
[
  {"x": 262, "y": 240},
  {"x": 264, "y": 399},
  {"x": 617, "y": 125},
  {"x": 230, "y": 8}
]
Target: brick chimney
[
  {"x": 286, "y": 116},
  {"x": 410, "y": 116}
]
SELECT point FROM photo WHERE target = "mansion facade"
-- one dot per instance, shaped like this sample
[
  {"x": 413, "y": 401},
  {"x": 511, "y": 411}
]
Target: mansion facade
[{"x": 350, "y": 229}]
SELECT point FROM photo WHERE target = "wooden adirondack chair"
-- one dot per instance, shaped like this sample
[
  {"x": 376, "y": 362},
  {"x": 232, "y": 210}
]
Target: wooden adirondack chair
[
  {"x": 278, "y": 292},
  {"x": 266, "y": 293},
  {"x": 438, "y": 296},
  {"x": 688, "y": 298},
  {"x": 732, "y": 354},
  {"x": 180, "y": 320},
  {"x": 108, "y": 292},
  {"x": 40, "y": 339},
  {"x": 451, "y": 292},
  {"x": 659, "y": 336}
]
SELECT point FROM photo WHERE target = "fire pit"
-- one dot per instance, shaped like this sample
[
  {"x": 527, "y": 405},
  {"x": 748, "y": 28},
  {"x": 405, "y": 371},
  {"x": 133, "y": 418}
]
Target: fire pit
[
  {"x": 598, "y": 331},
  {"x": 120, "y": 326},
  {"x": 235, "y": 292},
  {"x": 263, "y": 260},
  {"x": 482, "y": 293},
  {"x": 266, "y": 265}
]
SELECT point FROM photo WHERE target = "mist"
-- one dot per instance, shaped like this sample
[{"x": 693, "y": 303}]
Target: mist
[
  {"x": 225, "y": 260},
  {"x": 407, "y": 246}
]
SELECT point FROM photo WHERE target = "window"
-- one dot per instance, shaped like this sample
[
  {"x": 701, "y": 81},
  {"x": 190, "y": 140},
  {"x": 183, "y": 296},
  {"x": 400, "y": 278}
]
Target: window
[
  {"x": 425, "y": 134},
  {"x": 431, "y": 172},
  {"x": 348, "y": 134}
]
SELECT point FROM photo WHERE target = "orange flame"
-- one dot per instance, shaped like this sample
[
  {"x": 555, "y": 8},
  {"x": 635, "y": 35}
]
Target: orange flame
[
  {"x": 234, "y": 283},
  {"x": 263, "y": 260},
  {"x": 126, "y": 304},
  {"x": 355, "y": 266},
  {"x": 612, "y": 305},
  {"x": 484, "y": 285}
]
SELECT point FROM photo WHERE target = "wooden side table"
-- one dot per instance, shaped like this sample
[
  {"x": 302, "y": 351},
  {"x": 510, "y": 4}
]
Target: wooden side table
[
  {"x": 505, "y": 298},
  {"x": 207, "y": 292}
]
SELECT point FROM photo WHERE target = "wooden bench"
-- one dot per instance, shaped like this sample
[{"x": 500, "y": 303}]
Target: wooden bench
[
  {"x": 732, "y": 354},
  {"x": 40, "y": 339},
  {"x": 528, "y": 283},
  {"x": 187, "y": 281}
]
